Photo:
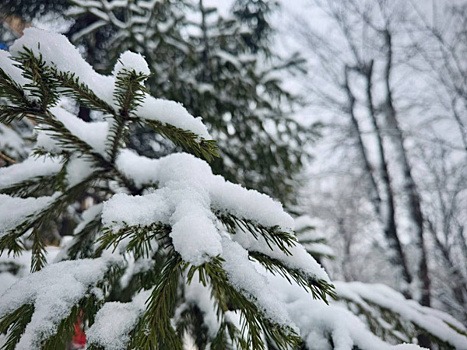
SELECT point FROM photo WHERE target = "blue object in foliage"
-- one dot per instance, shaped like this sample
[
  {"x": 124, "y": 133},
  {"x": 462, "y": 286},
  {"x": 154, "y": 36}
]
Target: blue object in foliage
[{"x": 3, "y": 46}]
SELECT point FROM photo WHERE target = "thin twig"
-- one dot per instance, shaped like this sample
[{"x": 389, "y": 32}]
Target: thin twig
[{"x": 7, "y": 159}]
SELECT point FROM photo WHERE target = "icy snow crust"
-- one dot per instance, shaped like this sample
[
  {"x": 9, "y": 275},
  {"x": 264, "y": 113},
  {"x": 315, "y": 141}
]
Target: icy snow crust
[{"x": 58, "y": 52}]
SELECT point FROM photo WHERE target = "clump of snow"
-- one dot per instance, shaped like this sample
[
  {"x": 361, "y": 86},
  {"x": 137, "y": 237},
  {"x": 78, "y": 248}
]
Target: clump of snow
[
  {"x": 114, "y": 322},
  {"x": 187, "y": 195},
  {"x": 225, "y": 196},
  {"x": 172, "y": 113},
  {"x": 57, "y": 288},
  {"x": 180, "y": 202},
  {"x": 249, "y": 204},
  {"x": 142, "y": 170},
  {"x": 29, "y": 169},
  {"x": 123, "y": 209},
  {"x": 94, "y": 134},
  {"x": 244, "y": 277},
  {"x": 131, "y": 61},
  {"x": 58, "y": 52},
  {"x": 14, "y": 211},
  {"x": 78, "y": 169}
]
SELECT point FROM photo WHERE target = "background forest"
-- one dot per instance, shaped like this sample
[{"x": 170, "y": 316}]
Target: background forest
[{"x": 352, "y": 114}]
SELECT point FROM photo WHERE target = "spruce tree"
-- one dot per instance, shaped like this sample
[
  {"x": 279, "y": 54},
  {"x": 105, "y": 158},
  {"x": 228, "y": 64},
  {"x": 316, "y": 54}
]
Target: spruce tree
[
  {"x": 255, "y": 15},
  {"x": 182, "y": 238},
  {"x": 224, "y": 70},
  {"x": 167, "y": 252}
]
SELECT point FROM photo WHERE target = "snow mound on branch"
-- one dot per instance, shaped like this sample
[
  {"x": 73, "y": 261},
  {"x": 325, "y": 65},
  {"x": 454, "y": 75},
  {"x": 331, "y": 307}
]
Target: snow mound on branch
[
  {"x": 187, "y": 195},
  {"x": 28, "y": 169},
  {"x": 114, "y": 322},
  {"x": 9, "y": 67},
  {"x": 94, "y": 133},
  {"x": 57, "y": 288},
  {"x": 58, "y": 52},
  {"x": 188, "y": 198},
  {"x": 434, "y": 321},
  {"x": 131, "y": 61},
  {"x": 318, "y": 321},
  {"x": 13, "y": 210},
  {"x": 225, "y": 196}
]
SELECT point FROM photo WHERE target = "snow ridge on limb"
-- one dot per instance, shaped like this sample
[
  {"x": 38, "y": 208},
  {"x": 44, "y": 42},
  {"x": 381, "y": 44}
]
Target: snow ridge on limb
[
  {"x": 14, "y": 211},
  {"x": 114, "y": 322},
  {"x": 50, "y": 299},
  {"x": 385, "y": 308},
  {"x": 28, "y": 170},
  {"x": 327, "y": 326},
  {"x": 60, "y": 55}
]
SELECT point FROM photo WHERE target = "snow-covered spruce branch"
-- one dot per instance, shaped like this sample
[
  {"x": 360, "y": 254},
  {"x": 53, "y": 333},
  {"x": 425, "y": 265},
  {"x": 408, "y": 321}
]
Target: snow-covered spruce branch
[
  {"x": 177, "y": 221},
  {"x": 394, "y": 318},
  {"x": 213, "y": 65}
]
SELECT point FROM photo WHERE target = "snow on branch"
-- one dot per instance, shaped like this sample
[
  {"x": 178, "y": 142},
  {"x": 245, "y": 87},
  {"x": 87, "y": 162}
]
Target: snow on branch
[
  {"x": 114, "y": 322},
  {"x": 49, "y": 298},
  {"x": 59, "y": 54},
  {"x": 14, "y": 211},
  {"x": 385, "y": 308},
  {"x": 28, "y": 169}
]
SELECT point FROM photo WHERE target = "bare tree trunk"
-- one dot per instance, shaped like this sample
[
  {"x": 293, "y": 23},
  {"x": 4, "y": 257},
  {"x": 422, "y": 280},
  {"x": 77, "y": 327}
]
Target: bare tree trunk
[
  {"x": 386, "y": 212},
  {"x": 388, "y": 209},
  {"x": 375, "y": 197},
  {"x": 346, "y": 261},
  {"x": 386, "y": 216},
  {"x": 206, "y": 67},
  {"x": 414, "y": 202},
  {"x": 459, "y": 288}
]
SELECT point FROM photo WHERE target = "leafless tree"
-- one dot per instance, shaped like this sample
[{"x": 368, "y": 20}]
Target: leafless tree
[
  {"x": 359, "y": 67},
  {"x": 371, "y": 73}
]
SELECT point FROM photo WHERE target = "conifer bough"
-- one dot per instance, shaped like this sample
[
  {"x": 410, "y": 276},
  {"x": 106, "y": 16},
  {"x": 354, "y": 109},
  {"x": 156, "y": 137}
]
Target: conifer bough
[{"x": 167, "y": 225}]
